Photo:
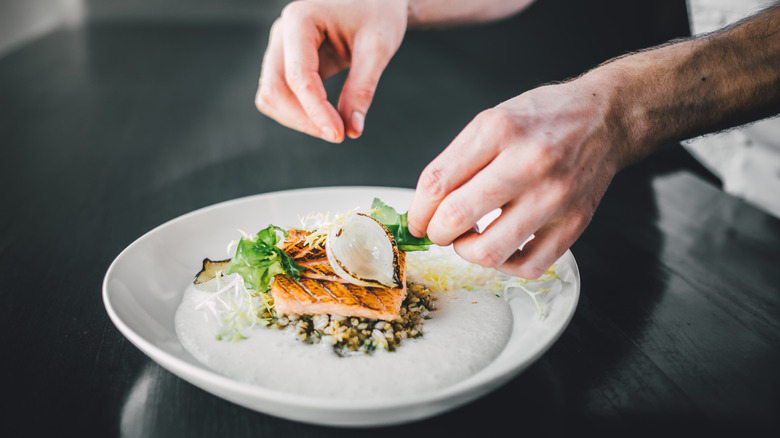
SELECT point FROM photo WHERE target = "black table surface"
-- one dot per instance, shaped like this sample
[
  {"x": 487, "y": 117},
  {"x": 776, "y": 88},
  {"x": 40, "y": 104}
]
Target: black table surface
[{"x": 110, "y": 129}]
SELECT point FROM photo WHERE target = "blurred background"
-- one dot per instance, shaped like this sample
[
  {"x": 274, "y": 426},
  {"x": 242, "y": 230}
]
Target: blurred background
[
  {"x": 117, "y": 116},
  {"x": 24, "y": 20},
  {"x": 161, "y": 93},
  {"x": 743, "y": 162}
]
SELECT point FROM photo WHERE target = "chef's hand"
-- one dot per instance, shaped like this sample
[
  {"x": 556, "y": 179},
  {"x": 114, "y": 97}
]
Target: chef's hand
[
  {"x": 545, "y": 158},
  {"x": 315, "y": 39}
]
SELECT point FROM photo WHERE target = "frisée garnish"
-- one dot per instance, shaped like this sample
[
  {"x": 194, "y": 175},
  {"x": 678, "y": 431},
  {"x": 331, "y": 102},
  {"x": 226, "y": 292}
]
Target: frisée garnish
[{"x": 441, "y": 270}]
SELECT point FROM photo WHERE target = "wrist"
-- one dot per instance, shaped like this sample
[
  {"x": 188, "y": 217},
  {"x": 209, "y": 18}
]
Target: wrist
[
  {"x": 645, "y": 104},
  {"x": 618, "y": 106}
]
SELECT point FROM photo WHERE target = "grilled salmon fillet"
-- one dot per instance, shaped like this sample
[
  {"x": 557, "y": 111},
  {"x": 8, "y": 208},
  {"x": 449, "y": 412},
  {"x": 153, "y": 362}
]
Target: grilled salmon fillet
[{"x": 321, "y": 291}]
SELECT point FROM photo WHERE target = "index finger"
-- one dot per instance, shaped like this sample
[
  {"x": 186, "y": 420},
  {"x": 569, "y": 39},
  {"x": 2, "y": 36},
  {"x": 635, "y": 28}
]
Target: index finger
[
  {"x": 469, "y": 153},
  {"x": 301, "y": 60},
  {"x": 274, "y": 98}
]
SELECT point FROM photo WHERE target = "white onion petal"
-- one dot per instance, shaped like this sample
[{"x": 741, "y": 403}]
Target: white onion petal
[{"x": 363, "y": 252}]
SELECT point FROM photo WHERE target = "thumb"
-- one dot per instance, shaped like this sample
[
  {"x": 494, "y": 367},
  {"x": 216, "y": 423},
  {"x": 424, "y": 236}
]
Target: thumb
[{"x": 359, "y": 87}]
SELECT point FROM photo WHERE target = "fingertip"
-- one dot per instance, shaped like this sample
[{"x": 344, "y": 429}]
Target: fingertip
[
  {"x": 332, "y": 128},
  {"x": 356, "y": 124},
  {"x": 413, "y": 223},
  {"x": 260, "y": 102},
  {"x": 415, "y": 232},
  {"x": 420, "y": 213},
  {"x": 327, "y": 134}
]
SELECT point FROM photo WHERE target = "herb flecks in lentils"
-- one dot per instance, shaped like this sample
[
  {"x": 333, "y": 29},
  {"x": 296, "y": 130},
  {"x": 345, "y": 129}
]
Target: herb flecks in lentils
[{"x": 352, "y": 334}]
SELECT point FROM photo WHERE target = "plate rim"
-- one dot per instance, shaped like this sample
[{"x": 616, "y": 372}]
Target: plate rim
[{"x": 195, "y": 374}]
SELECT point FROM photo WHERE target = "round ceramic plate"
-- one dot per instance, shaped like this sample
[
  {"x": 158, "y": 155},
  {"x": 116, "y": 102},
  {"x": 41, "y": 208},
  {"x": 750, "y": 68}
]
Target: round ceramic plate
[{"x": 143, "y": 288}]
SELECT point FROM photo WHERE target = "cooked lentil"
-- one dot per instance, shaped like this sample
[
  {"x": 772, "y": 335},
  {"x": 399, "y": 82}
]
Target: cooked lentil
[{"x": 353, "y": 334}]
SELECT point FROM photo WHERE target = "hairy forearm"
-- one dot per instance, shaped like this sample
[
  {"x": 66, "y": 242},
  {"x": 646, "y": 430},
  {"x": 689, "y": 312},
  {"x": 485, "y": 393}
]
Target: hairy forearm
[
  {"x": 696, "y": 86},
  {"x": 426, "y": 13}
]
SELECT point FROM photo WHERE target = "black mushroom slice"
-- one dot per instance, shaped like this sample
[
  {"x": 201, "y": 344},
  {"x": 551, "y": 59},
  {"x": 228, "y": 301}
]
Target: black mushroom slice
[{"x": 210, "y": 270}]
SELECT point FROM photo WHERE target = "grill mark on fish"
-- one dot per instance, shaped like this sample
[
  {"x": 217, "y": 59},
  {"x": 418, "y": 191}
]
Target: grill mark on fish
[
  {"x": 315, "y": 276},
  {"x": 319, "y": 269},
  {"x": 294, "y": 290},
  {"x": 307, "y": 287},
  {"x": 330, "y": 292},
  {"x": 320, "y": 291},
  {"x": 295, "y": 245},
  {"x": 367, "y": 299},
  {"x": 341, "y": 293}
]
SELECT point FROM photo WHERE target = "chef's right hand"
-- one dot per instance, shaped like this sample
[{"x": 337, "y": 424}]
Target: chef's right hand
[{"x": 315, "y": 39}]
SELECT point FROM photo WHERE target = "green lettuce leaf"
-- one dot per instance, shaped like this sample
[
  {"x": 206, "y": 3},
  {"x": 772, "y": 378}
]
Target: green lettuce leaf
[
  {"x": 398, "y": 225},
  {"x": 258, "y": 260}
]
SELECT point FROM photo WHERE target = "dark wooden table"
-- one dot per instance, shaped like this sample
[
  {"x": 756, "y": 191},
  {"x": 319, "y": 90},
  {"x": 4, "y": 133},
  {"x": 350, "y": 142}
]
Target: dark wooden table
[{"x": 111, "y": 129}]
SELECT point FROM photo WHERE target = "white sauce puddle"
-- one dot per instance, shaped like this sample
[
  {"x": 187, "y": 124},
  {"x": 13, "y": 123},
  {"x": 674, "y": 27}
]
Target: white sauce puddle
[{"x": 466, "y": 333}]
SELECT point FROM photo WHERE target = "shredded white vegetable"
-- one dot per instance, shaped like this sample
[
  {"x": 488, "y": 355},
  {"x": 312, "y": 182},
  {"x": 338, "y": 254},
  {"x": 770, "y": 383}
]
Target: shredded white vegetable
[
  {"x": 319, "y": 224},
  {"x": 233, "y": 305},
  {"x": 441, "y": 270}
]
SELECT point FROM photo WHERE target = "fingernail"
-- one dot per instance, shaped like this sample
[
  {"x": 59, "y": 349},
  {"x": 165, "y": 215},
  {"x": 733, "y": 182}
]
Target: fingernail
[
  {"x": 328, "y": 134},
  {"x": 358, "y": 120}
]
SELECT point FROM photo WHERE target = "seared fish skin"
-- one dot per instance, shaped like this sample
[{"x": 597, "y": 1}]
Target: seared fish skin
[{"x": 321, "y": 291}]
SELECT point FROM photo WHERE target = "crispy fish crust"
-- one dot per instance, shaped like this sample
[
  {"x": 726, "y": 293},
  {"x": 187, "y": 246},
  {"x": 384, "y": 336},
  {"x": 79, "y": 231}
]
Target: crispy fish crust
[{"x": 321, "y": 291}]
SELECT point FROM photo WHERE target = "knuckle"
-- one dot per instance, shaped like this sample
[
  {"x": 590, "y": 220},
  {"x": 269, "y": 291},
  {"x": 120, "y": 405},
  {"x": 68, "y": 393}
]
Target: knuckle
[
  {"x": 295, "y": 78},
  {"x": 437, "y": 236},
  {"x": 518, "y": 232},
  {"x": 362, "y": 93},
  {"x": 276, "y": 26},
  {"x": 261, "y": 104},
  {"x": 541, "y": 161},
  {"x": 552, "y": 156},
  {"x": 494, "y": 194},
  {"x": 432, "y": 182},
  {"x": 556, "y": 196},
  {"x": 454, "y": 216},
  {"x": 309, "y": 83},
  {"x": 263, "y": 99},
  {"x": 304, "y": 85},
  {"x": 384, "y": 48},
  {"x": 578, "y": 220},
  {"x": 297, "y": 11},
  {"x": 495, "y": 120},
  {"x": 488, "y": 256}
]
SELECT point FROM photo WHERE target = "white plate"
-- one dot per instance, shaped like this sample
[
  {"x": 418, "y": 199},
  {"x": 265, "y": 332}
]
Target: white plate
[{"x": 144, "y": 285}]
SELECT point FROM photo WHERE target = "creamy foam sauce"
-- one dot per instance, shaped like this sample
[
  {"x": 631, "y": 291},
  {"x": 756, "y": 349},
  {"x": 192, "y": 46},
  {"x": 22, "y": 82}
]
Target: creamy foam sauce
[{"x": 467, "y": 331}]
